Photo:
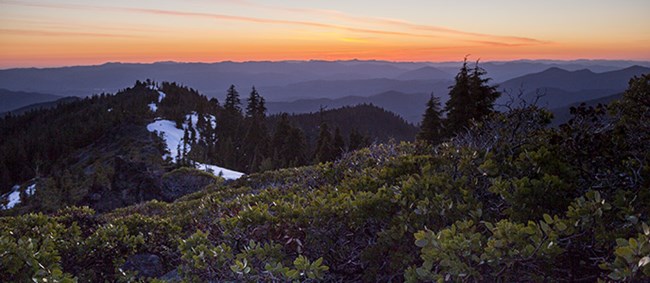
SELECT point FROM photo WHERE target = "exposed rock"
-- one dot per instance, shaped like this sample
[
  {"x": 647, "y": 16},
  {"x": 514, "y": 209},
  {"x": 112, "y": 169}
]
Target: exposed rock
[
  {"x": 184, "y": 181},
  {"x": 147, "y": 265},
  {"x": 132, "y": 183}
]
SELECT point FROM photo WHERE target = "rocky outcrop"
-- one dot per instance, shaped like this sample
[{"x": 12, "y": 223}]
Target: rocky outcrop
[
  {"x": 184, "y": 181},
  {"x": 132, "y": 182}
]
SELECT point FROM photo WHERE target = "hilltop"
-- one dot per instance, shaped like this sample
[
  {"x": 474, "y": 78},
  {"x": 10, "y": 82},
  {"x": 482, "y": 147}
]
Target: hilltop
[
  {"x": 109, "y": 151},
  {"x": 509, "y": 199}
]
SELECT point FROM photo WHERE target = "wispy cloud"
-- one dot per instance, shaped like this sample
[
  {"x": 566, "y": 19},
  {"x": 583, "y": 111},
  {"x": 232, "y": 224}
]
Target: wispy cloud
[
  {"x": 395, "y": 27},
  {"x": 31, "y": 32},
  {"x": 514, "y": 40}
]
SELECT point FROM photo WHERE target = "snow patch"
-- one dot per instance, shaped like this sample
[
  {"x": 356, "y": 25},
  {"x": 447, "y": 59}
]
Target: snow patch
[
  {"x": 161, "y": 96},
  {"x": 31, "y": 189},
  {"x": 172, "y": 136},
  {"x": 174, "y": 140},
  {"x": 153, "y": 106},
  {"x": 219, "y": 171},
  {"x": 13, "y": 198}
]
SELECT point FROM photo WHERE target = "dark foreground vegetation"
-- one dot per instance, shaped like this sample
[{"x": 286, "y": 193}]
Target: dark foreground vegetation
[{"x": 508, "y": 199}]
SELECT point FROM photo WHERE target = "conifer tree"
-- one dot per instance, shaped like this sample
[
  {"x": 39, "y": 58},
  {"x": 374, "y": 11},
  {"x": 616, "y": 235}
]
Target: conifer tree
[
  {"x": 483, "y": 94},
  {"x": 256, "y": 140},
  {"x": 470, "y": 98},
  {"x": 431, "y": 129},
  {"x": 295, "y": 148},
  {"x": 324, "y": 146},
  {"x": 338, "y": 144},
  {"x": 279, "y": 140},
  {"x": 230, "y": 132},
  {"x": 255, "y": 107},
  {"x": 357, "y": 140},
  {"x": 233, "y": 103}
]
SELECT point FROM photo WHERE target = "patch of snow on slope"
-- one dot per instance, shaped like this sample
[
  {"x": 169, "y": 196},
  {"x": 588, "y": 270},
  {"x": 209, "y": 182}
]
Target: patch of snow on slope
[
  {"x": 170, "y": 134},
  {"x": 13, "y": 198},
  {"x": 219, "y": 171},
  {"x": 161, "y": 96},
  {"x": 153, "y": 107},
  {"x": 31, "y": 189},
  {"x": 174, "y": 139}
]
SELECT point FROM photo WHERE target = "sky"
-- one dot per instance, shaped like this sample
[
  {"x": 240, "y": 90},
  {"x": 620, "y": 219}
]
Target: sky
[{"x": 39, "y": 33}]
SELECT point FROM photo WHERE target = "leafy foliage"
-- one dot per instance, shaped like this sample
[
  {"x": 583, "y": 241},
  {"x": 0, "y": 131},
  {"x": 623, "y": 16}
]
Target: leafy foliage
[{"x": 507, "y": 200}]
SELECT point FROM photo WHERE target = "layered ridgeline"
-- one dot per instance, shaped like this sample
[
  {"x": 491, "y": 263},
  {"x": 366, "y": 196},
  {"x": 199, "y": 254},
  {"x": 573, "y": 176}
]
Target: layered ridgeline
[
  {"x": 108, "y": 151},
  {"x": 508, "y": 199}
]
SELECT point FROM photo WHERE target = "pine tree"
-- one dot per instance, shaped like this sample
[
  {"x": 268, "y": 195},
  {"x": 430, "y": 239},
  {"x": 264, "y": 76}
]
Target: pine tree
[
  {"x": 233, "y": 103},
  {"x": 279, "y": 140},
  {"x": 357, "y": 140},
  {"x": 256, "y": 107},
  {"x": 431, "y": 129},
  {"x": 458, "y": 106},
  {"x": 230, "y": 133},
  {"x": 256, "y": 140},
  {"x": 295, "y": 148},
  {"x": 339, "y": 144},
  {"x": 470, "y": 98},
  {"x": 484, "y": 95},
  {"x": 324, "y": 146}
]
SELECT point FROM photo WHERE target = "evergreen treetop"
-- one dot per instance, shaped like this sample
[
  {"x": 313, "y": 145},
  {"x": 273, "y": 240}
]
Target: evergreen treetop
[
  {"x": 470, "y": 98},
  {"x": 233, "y": 103},
  {"x": 431, "y": 129}
]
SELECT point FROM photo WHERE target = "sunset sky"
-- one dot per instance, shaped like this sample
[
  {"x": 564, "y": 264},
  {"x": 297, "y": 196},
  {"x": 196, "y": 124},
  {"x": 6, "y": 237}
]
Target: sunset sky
[{"x": 80, "y": 32}]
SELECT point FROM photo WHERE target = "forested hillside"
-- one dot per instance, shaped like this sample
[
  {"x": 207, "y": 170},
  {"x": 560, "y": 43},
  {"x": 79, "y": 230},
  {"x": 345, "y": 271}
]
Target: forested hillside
[
  {"x": 504, "y": 199},
  {"x": 108, "y": 151}
]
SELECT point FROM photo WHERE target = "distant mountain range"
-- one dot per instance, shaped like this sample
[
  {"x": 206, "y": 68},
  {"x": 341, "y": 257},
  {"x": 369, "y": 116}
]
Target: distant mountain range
[
  {"x": 212, "y": 79},
  {"x": 305, "y": 86},
  {"x": 560, "y": 87}
]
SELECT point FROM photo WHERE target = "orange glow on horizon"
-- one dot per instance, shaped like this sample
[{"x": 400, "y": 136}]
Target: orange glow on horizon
[{"x": 43, "y": 34}]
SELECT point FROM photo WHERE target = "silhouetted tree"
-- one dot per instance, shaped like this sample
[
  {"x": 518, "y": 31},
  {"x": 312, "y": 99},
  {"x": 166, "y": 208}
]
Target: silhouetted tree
[
  {"x": 431, "y": 129},
  {"x": 357, "y": 140},
  {"x": 324, "y": 146},
  {"x": 295, "y": 148},
  {"x": 470, "y": 98},
  {"x": 338, "y": 144},
  {"x": 256, "y": 140},
  {"x": 233, "y": 103}
]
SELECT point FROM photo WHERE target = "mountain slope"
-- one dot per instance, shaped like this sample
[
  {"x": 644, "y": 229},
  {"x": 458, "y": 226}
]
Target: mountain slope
[
  {"x": 376, "y": 123},
  {"x": 509, "y": 199},
  {"x": 561, "y": 87},
  {"x": 425, "y": 73},
  {"x": 334, "y": 89},
  {"x": 409, "y": 106},
  {"x": 562, "y": 114},
  {"x": 10, "y": 100},
  {"x": 109, "y": 151},
  {"x": 575, "y": 80},
  {"x": 97, "y": 151},
  {"x": 211, "y": 78},
  {"x": 41, "y": 105}
]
